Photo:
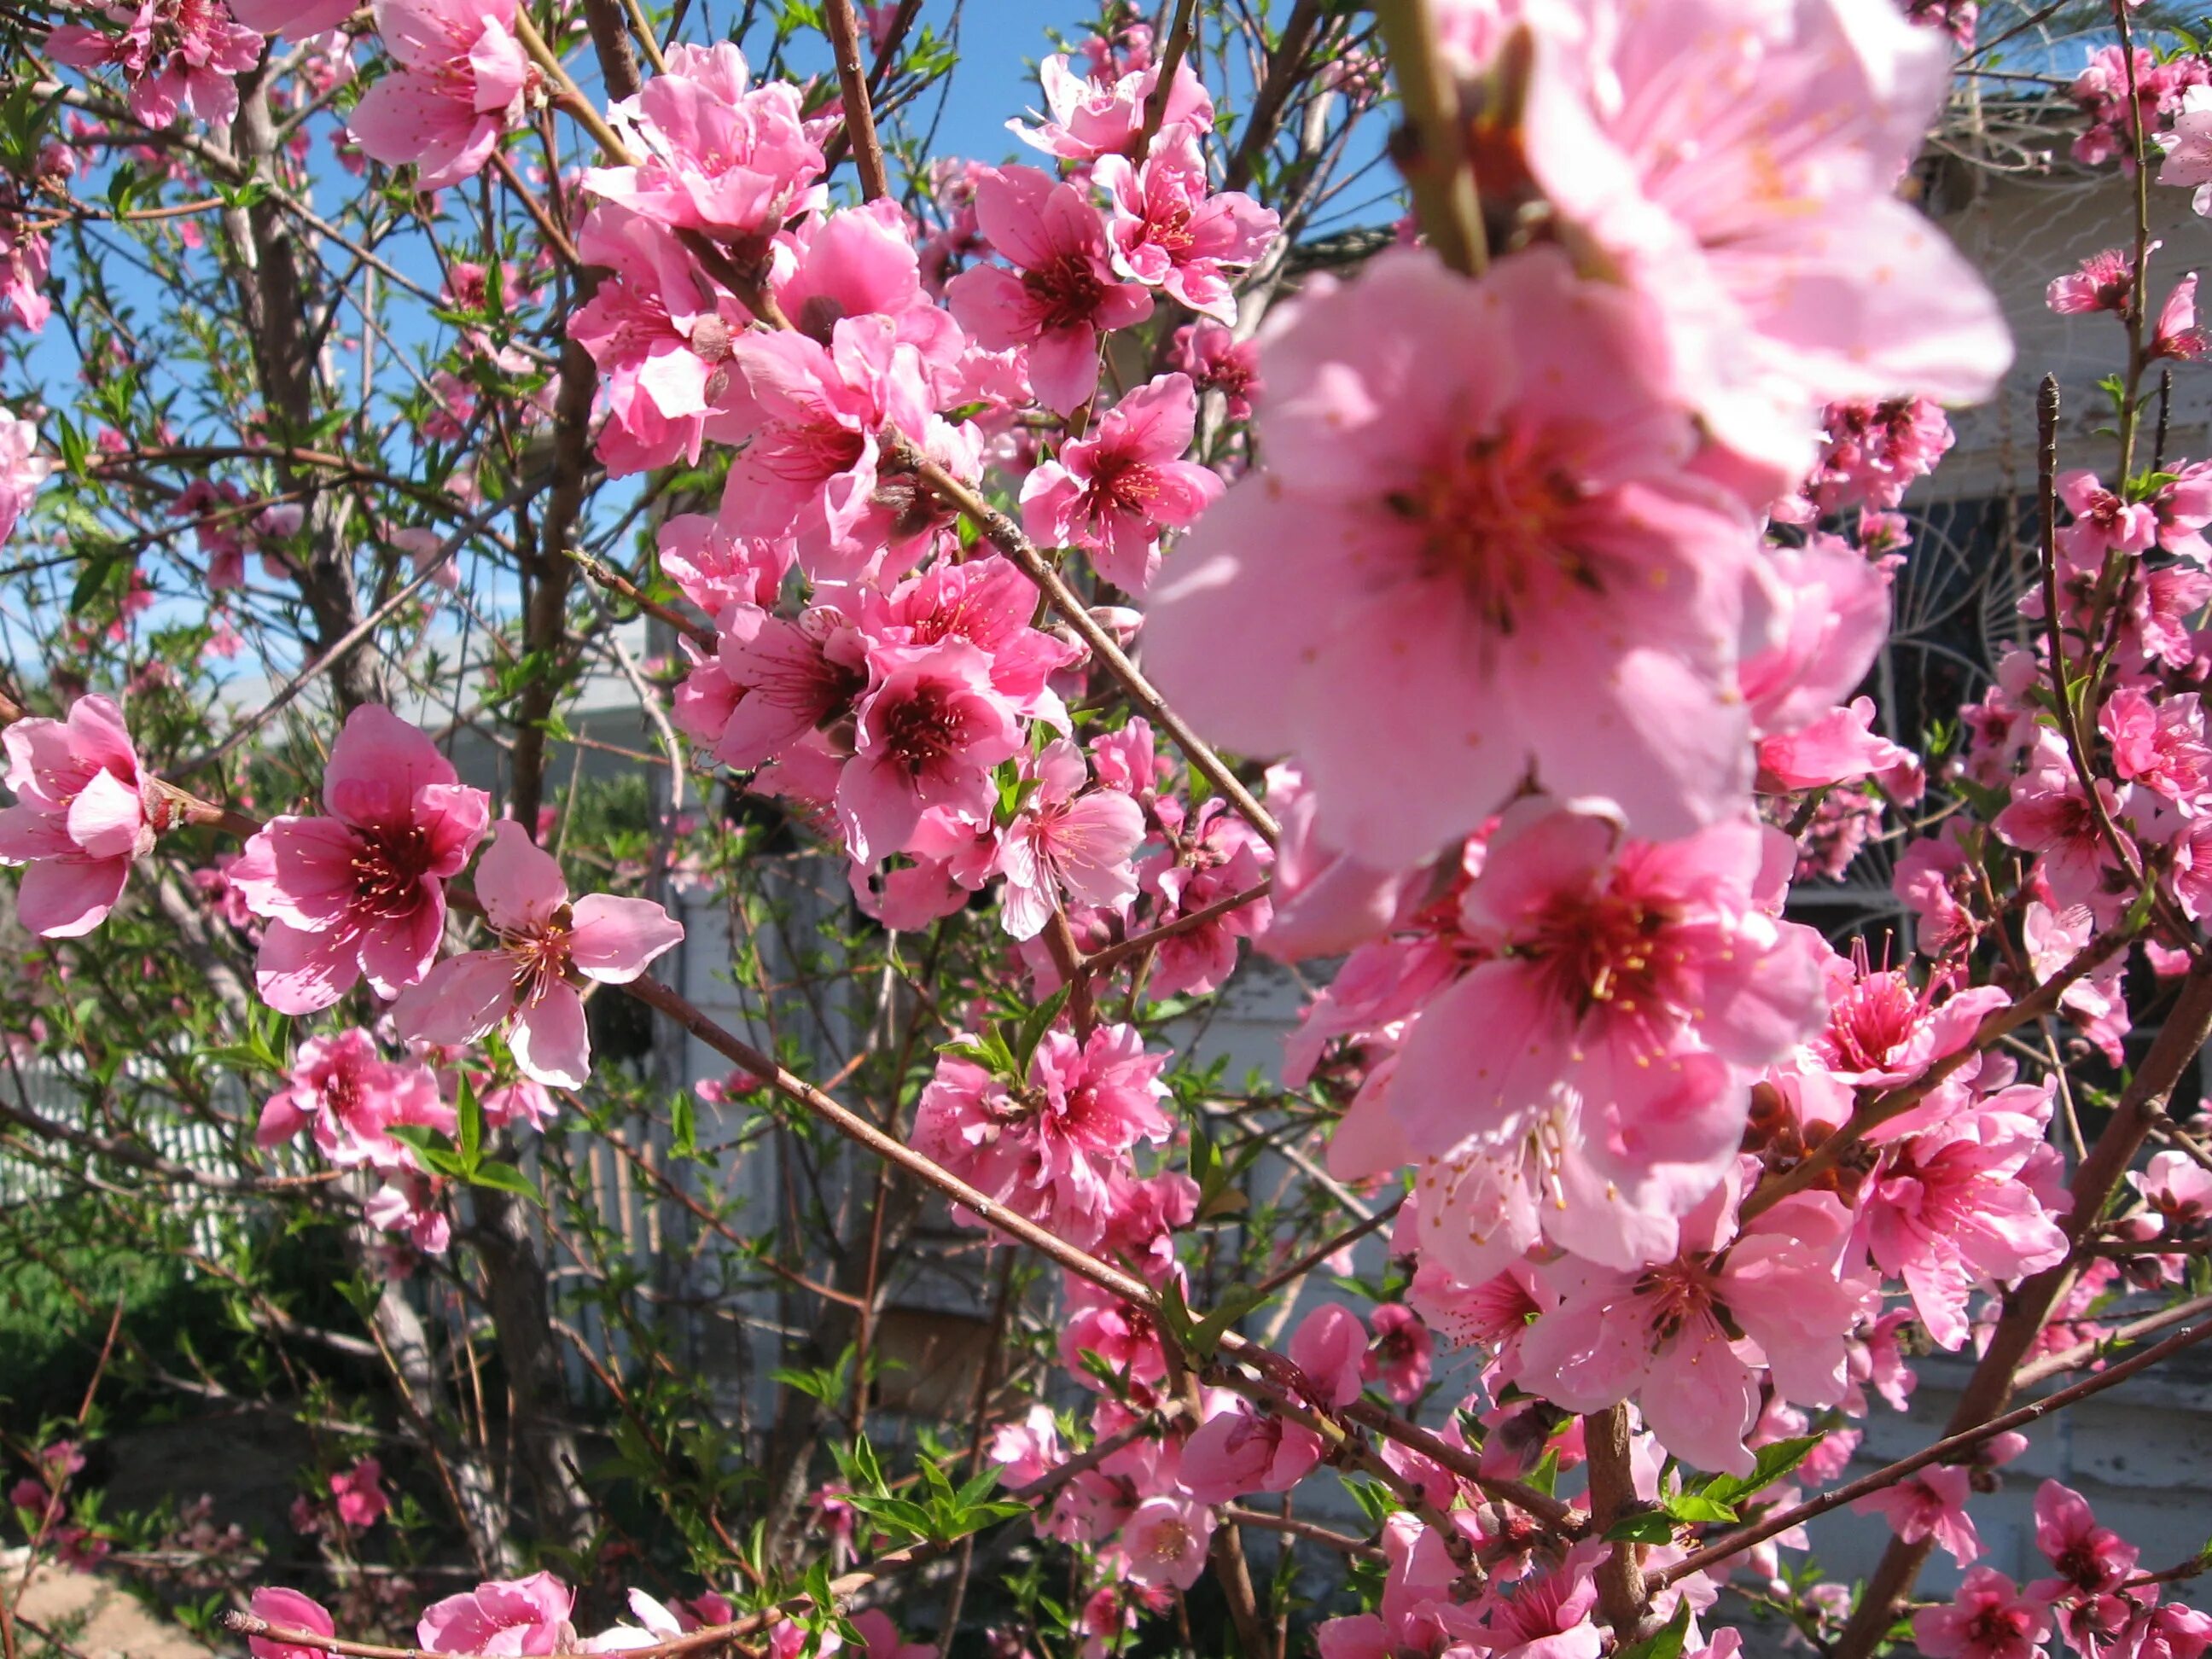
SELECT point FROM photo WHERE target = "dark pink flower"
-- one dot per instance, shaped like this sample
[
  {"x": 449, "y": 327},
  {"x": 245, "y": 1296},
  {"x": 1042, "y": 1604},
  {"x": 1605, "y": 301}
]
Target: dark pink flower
[
  {"x": 505, "y": 1617},
  {"x": 362, "y": 891},
  {"x": 1113, "y": 492},
  {"x": 1064, "y": 292},
  {"x": 1988, "y": 1618},
  {"x": 351, "y": 1098},
  {"x": 358, "y": 1494},
  {"x": 290, "y": 1610},
  {"x": 175, "y": 54},
  {"x": 1066, "y": 845},
  {"x": 2090, "y": 1560},
  {"x": 1170, "y": 231},
  {"x": 929, "y": 732}
]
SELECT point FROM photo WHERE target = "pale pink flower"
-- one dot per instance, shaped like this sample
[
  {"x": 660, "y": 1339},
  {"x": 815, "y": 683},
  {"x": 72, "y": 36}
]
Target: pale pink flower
[
  {"x": 1056, "y": 1148},
  {"x": 82, "y": 814},
  {"x": 1064, "y": 292},
  {"x": 296, "y": 20},
  {"x": 929, "y": 732},
  {"x": 1931, "y": 1503},
  {"x": 1113, "y": 492},
  {"x": 1546, "y": 1616},
  {"x": 1738, "y": 163},
  {"x": 1025, "y": 1451},
  {"x": 2090, "y": 1560},
  {"x": 1835, "y": 747},
  {"x": 547, "y": 945},
  {"x": 460, "y": 80},
  {"x": 1165, "y": 1541},
  {"x": 362, "y": 890},
  {"x": 733, "y": 162},
  {"x": 2049, "y": 814},
  {"x": 1966, "y": 1202},
  {"x": 1646, "y": 976},
  {"x": 860, "y": 262},
  {"x": 1988, "y": 1618},
  {"x": 1239, "y": 1450},
  {"x": 2158, "y": 742},
  {"x": 1169, "y": 231},
  {"x": 358, "y": 1494},
  {"x": 1066, "y": 844},
  {"x": 1328, "y": 1346},
  {"x": 1476, "y": 506},
  {"x": 1103, "y": 114},
  {"x": 2188, "y": 146},
  {"x": 351, "y": 1097},
  {"x": 2103, "y": 520},
  {"x": 773, "y": 680},
  {"x": 1664, "y": 1335},
  {"x": 22, "y": 470},
  {"x": 2178, "y": 1189},
  {"x": 176, "y": 54},
  {"x": 290, "y": 1610},
  {"x": 507, "y": 1617}
]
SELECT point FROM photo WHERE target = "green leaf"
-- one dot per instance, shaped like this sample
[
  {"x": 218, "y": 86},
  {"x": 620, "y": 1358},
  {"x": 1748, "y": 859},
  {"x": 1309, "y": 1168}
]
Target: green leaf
[
  {"x": 490, "y": 1172},
  {"x": 683, "y": 1127},
  {"x": 1693, "y": 1506},
  {"x": 1774, "y": 1461},
  {"x": 468, "y": 1111},
  {"x": 1666, "y": 1642},
  {"x": 1643, "y": 1527},
  {"x": 1035, "y": 1024}
]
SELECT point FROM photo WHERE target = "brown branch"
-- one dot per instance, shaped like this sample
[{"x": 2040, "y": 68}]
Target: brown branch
[
  {"x": 1438, "y": 170},
  {"x": 837, "y": 23}
]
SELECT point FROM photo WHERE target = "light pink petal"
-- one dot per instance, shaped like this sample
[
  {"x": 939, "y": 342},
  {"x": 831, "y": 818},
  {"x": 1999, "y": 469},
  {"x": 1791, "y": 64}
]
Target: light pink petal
[
  {"x": 519, "y": 882},
  {"x": 399, "y": 951},
  {"x": 550, "y": 1042},
  {"x": 459, "y": 999},
  {"x": 614, "y": 937},
  {"x": 376, "y": 766},
  {"x": 68, "y": 897},
  {"x": 107, "y": 819},
  {"x": 302, "y": 973}
]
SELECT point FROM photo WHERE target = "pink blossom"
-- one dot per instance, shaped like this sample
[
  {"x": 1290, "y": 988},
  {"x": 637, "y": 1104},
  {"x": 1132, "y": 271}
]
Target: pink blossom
[
  {"x": 1836, "y": 747},
  {"x": 1477, "y": 507},
  {"x": 1114, "y": 491},
  {"x": 2104, "y": 521},
  {"x": 529, "y": 983},
  {"x": 1882, "y": 1030},
  {"x": 83, "y": 812},
  {"x": 1057, "y": 1147},
  {"x": 1931, "y": 1503},
  {"x": 176, "y": 54},
  {"x": 2090, "y": 1560},
  {"x": 1239, "y": 1450},
  {"x": 1967, "y": 1201},
  {"x": 1988, "y": 1618},
  {"x": 22, "y": 470},
  {"x": 1645, "y": 976},
  {"x": 1546, "y": 1617},
  {"x": 860, "y": 262},
  {"x": 2159, "y": 743},
  {"x": 1025, "y": 1451},
  {"x": 1725, "y": 156},
  {"x": 2188, "y": 146},
  {"x": 816, "y": 415},
  {"x": 1328, "y": 1346},
  {"x": 351, "y": 1098},
  {"x": 1664, "y": 1335},
  {"x": 296, "y": 20},
  {"x": 733, "y": 162},
  {"x": 507, "y": 1617},
  {"x": 2049, "y": 814},
  {"x": 1103, "y": 114},
  {"x": 1064, "y": 292},
  {"x": 988, "y": 602},
  {"x": 362, "y": 891},
  {"x": 716, "y": 569},
  {"x": 661, "y": 335},
  {"x": 1216, "y": 360},
  {"x": 1165, "y": 1541},
  {"x": 460, "y": 80},
  {"x": 359, "y": 1495},
  {"x": 927, "y": 733},
  {"x": 2177, "y": 334},
  {"x": 1168, "y": 231},
  {"x": 2178, "y": 1189},
  {"x": 290, "y": 1610},
  {"x": 1215, "y": 857},
  {"x": 2104, "y": 282},
  {"x": 1402, "y": 1355},
  {"x": 1066, "y": 844}
]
